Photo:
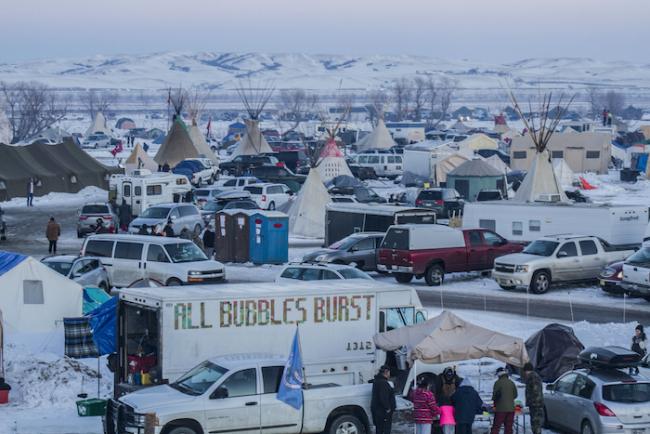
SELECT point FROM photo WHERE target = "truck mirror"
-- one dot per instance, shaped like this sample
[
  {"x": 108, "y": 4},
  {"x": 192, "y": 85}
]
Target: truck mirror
[
  {"x": 562, "y": 254},
  {"x": 219, "y": 393}
]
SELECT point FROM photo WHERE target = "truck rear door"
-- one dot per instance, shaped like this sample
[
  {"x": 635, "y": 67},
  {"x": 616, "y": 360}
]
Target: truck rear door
[
  {"x": 277, "y": 417},
  {"x": 593, "y": 259},
  {"x": 477, "y": 251}
]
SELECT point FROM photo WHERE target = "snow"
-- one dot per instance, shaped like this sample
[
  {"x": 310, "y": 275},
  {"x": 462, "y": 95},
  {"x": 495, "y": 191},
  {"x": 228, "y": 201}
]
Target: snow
[{"x": 55, "y": 199}]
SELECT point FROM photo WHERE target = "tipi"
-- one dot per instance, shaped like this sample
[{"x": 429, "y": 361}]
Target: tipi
[
  {"x": 98, "y": 125},
  {"x": 563, "y": 172},
  {"x": 331, "y": 162},
  {"x": 253, "y": 142},
  {"x": 307, "y": 214},
  {"x": 139, "y": 159},
  {"x": 178, "y": 145},
  {"x": 196, "y": 104},
  {"x": 380, "y": 138}
]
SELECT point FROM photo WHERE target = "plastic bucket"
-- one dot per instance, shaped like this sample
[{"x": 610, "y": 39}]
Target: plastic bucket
[{"x": 4, "y": 396}]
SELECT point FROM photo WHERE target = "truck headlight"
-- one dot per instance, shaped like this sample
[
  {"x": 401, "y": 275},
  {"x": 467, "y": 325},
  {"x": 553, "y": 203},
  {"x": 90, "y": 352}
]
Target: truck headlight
[
  {"x": 521, "y": 269},
  {"x": 321, "y": 258},
  {"x": 193, "y": 273}
]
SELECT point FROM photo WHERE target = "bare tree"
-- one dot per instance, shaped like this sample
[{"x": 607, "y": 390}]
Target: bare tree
[
  {"x": 95, "y": 101},
  {"x": 432, "y": 95},
  {"x": 438, "y": 97},
  {"x": 31, "y": 108},
  {"x": 379, "y": 100},
  {"x": 447, "y": 88},
  {"x": 196, "y": 101},
  {"x": 419, "y": 97},
  {"x": 295, "y": 104},
  {"x": 595, "y": 99},
  {"x": 402, "y": 96}
]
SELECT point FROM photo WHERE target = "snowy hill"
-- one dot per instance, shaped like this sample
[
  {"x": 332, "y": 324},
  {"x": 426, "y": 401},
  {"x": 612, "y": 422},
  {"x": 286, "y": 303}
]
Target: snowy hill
[{"x": 319, "y": 72}]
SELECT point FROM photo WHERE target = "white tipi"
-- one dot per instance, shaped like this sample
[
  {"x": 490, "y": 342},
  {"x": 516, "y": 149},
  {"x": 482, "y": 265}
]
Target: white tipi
[
  {"x": 307, "y": 214},
  {"x": 331, "y": 162},
  {"x": 253, "y": 142},
  {"x": 379, "y": 138},
  {"x": 98, "y": 125}
]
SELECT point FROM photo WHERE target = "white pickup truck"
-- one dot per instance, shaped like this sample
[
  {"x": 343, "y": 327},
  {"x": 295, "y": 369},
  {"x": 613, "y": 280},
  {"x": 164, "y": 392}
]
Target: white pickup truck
[
  {"x": 636, "y": 273},
  {"x": 238, "y": 393},
  {"x": 558, "y": 258}
]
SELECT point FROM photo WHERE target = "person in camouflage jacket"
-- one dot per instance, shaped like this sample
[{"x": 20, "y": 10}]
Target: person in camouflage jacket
[{"x": 534, "y": 398}]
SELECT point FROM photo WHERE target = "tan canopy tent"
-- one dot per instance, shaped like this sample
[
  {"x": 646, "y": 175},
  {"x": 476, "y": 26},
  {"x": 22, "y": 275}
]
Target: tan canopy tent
[{"x": 448, "y": 338}]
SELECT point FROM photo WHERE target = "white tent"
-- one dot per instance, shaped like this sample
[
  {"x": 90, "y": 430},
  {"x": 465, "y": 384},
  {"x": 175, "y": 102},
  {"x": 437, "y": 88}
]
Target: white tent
[
  {"x": 253, "y": 142},
  {"x": 98, "y": 125},
  {"x": 33, "y": 297},
  {"x": 139, "y": 159},
  {"x": 447, "y": 164},
  {"x": 201, "y": 144},
  {"x": 380, "y": 138},
  {"x": 498, "y": 164},
  {"x": 540, "y": 180},
  {"x": 307, "y": 214},
  {"x": 478, "y": 141},
  {"x": 332, "y": 162},
  {"x": 563, "y": 172},
  {"x": 5, "y": 129}
]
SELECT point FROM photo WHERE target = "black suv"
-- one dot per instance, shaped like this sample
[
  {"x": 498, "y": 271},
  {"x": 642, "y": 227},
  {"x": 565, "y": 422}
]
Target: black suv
[
  {"x": 279, "y": 175},
  {"x": 242, "y": 164},
  {"x": 444, "y": 201}
]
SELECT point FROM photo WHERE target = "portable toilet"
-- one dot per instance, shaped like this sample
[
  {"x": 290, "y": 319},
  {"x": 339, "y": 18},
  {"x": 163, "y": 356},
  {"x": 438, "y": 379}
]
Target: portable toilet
[
  {"x": 269, "y": 237},
  {"x": 240, "y": 235},
  {"x": 223, "y": 237}
]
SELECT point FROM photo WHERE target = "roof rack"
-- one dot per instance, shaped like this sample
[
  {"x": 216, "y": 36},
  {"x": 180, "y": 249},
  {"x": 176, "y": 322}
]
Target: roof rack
[{"x": 611, "y": 357}]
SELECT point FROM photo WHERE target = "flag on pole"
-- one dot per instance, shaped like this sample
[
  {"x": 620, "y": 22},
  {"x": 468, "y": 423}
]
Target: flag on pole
[{"x": 290, "y": 390}]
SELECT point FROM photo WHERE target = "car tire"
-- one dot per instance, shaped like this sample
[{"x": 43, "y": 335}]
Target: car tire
[
  {"x": 435, "y": 275},
  {"x": 272, "y": 206},
  {"x": 346, "y": 423},
  {"x": 540, "y": 283},
  {"x": 173, "y": 282},
  {"x": 182, "y": 430},
  {"x": 403, "y": 277},
  {"x": 507, "y": 288},
  {"x": 586, "y": 428}
]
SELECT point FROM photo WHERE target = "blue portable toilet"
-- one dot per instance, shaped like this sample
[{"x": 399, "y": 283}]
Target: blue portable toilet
[{"x": 269, "y": 237}]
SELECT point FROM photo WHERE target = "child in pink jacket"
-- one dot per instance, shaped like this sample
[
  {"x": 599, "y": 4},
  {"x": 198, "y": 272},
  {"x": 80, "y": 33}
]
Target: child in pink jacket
[{"x": 425, "y": 408}]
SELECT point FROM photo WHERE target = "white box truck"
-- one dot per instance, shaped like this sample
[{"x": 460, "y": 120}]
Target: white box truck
[
  {"x": 619, "y": 225},
  {"x": 164, "y": 332}
]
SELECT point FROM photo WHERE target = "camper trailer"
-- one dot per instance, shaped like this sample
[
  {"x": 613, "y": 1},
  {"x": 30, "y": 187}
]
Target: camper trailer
[
  {"x": 619, "y": 225},
  {"x": 165, "y": 333},
  {"x": 143, "y": 189}
]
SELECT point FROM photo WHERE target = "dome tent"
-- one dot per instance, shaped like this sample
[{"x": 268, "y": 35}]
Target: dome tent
[
  {"x": 553, "y": 351},
  {"x": 473, "y": 176},
  {"x": 125, "y": 124}
]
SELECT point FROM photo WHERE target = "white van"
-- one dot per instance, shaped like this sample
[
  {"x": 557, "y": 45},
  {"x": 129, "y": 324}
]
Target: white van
[
  {"x": 385, "y": 165},
  {"x": 170, "y": 261},
  {"x": 143, "y": 189}
]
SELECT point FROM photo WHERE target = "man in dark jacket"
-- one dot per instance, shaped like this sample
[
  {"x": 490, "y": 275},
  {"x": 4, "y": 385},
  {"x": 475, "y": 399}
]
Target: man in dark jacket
[
  {"x": 382, "y": 404},
  {"x": 125, "y": 215},
  {"x": 467, "y": 404},
  {"x": 504, "y": 394},
  {"x": 534, "y": 398},
  {"x": 168, "y": 230},
  {"x": 208, "y": 241}
]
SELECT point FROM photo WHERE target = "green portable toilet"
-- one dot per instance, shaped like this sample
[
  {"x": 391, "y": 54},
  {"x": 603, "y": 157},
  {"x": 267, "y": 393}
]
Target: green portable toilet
[{"x": 473, "y": 176}]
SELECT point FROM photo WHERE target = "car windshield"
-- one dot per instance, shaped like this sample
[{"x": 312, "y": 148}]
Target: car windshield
[
  {"x": 430, "y": 195},
  {"x": 641, "y": 257},
  {"x": 627, "y": 392},
  {"x": 353, "y": 273},
  {"x": 155, "y": 212},
  {"x": 345, "y": 243},
  {"x": 541, "y": 248},
  {"x": 94, "y": 209},
  {"x": 213, "y": 206},
  {"x": 59, "y": 267},
  {"x": 185, "y": 252},
  {"x": 199, "y": 379}
]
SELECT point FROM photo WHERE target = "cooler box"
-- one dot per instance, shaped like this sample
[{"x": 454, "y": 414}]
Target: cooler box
[{"x": 91, "y": 407}]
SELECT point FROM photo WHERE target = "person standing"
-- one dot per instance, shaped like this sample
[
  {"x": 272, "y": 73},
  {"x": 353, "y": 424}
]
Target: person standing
[
  {"x": 504, "y": 394},
  {"x": 30, "y": 192},
  {"x": 639, "y": 344},
  {"x": 144, "y": 230},
  {"x": 125, "y": 215},
  {"x": 382, "y": 403},
  {"x": 168, "y": 230},
  {"x": 447, "y": 416},
  {"x": 52, "y": 233},
  {"x": 208, "y": 240},
  {"x": 534, "y": 398},
  {"x": 467, "y": 404},
  {"x": 425, "y": 408}
]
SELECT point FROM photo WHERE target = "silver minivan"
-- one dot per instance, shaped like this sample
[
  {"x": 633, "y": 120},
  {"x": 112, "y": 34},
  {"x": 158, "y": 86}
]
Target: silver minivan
[
  {"x": 182, "y": 216},
  {"x": 171, "y": 261},
  {"x": 385, "y": 165}
]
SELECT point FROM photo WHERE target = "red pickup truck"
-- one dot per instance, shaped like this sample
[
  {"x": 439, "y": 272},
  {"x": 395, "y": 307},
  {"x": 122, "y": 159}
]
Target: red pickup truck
[{"x": 430, "y": 251}]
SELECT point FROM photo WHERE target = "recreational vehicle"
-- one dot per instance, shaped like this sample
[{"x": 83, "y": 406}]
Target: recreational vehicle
[{"x": 143, "y": 189}]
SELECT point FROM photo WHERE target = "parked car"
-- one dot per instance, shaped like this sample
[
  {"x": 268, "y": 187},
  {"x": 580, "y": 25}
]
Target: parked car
[
  {"x": 209, "y": 165},
  {"x": 172, "y": 261},
  {"x": 238, "y": 183},
  {"x": 444, "y": 201},
  {"x": 207, "y": 194},
  {"x": 304, "y": 272},
  {"x": 90, "y": 212},
  {"x": 343, "y": 198},
  {"x": 228, "y": 200},
  {"x": 598, "y": 401},
  {"x": 95, "y": 141},
  {"x": 610, "y": 278},
  {"x": 242, "y": 164},
  {"x": 362, "y": 172},
  {"x": 3, "y": 226},
  {"x": 85, "y": 271},
  {"x": 485, "y": 195},
  {"x": 195, "y": 171},
  {"x": 430, "y": 251},
  {"x": 279, "y": 175},
  {"x": 560, "y": 258},
  {"x": 182, "y": 216},
  {"x": 636, "y": 273},
  {"x": 359, "y": 249},
  {"x": 269, "y": 196},
  {"x": 385, "y": 165}
]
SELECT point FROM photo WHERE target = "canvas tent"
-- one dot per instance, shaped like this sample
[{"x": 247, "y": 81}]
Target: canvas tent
[
  {"x": 139, "y": 159},
  {"x": 448, "y": 338},
  {"x": 63, "y": 168},
  {"x": 379, "y": 138},
  {"x": 476, "y": 142},
  {"x": 563, "y": 172},
  {"x": 307, "y": 214},
  {"x": 125, "y": 124},
  {"x": 498, "y": 164},
  {"x": 33, "y": 297},
  {"x": 332, "y": 163},
  {"x": 98, "y": 125},
  {"x": 178, "y": 145},
  {"x": 553, "y": 351},
  {"x": 475, "y": 175}
]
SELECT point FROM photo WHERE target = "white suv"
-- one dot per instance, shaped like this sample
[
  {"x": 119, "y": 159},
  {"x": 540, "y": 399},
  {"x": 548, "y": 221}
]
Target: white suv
[
  {"x": 304, "y": 272},
  {"x": 269, "y": 196},
  {"x": 385, "y": 165}
]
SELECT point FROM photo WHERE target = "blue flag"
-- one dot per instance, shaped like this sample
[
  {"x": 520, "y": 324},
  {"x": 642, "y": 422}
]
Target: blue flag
[{"x": 290, "y": 390}]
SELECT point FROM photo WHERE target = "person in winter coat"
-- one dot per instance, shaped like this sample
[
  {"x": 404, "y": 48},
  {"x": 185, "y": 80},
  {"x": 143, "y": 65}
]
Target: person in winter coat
[
  {"x": 534, "y": 398},
  {"x": 197, "y": 239},
  {"x": 504, "y": 394},
  {"x": 382, "y": 403},
  {"x": 144, "y": 230},
  {"x": 100, "y": 228},
  {"x": 165, "y": 167},
  {"x": 639, "y": 343},
  {"x": 425, "y": 408},
  {"x": 447, "y": 416},
  {"x": 208, "y": 241},
  {"x": 30, "y": 192},
  {"x": 125, "y": 215},
  {"x": 467, "y": 404},
  {"x": 168, "y": 230},
  {"x": 52, "y": 233}
]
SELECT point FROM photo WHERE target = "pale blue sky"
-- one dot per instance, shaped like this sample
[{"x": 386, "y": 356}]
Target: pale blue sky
[{"x": 501, "y": 30}]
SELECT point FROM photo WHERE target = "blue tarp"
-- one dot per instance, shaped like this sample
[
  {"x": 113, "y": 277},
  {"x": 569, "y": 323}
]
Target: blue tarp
[
  {"x": 641, "y": 162},
  {"x": 9, "y": 260},
  {"x": 103, "y": 323},
  {"x": 93, "y": 298}
]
